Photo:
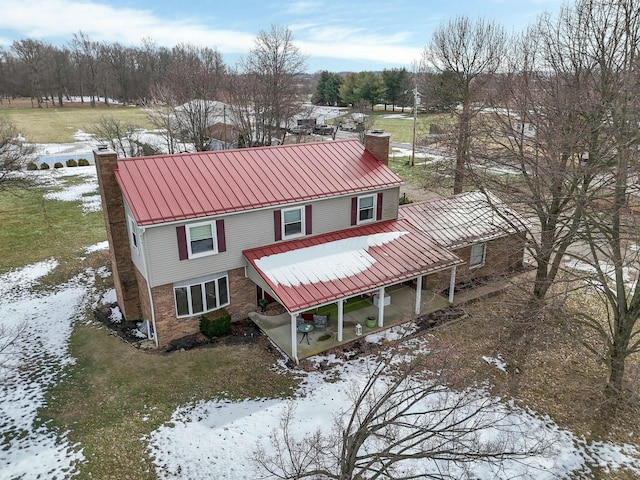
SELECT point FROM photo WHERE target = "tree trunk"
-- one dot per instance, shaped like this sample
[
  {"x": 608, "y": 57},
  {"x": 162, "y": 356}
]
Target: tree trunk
[
  {"x": 617, "y": 357},
  {"x": 461, "y": 150}
]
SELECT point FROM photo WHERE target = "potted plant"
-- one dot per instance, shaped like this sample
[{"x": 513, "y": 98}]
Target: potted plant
[
  {"x": 371, "y": 322},
  {"x": 263, "y": 304}
]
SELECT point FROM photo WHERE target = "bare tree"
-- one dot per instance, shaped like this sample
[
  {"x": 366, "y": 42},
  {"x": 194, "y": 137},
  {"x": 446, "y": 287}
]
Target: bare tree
[
  {"x": 87, "y": 54},
  {"x": 32, "y": 53},
  {"x": 469, "y": 51},
  {"x": 186, "y": 98},
  {"x": 610, "y": 229},
  {"x": 403, "y": 413},
  {"x": 14, "y": 156},
  {"x": 122, "y": 138},
  {"x": 265, "y": 90},
  {"x": 9, "y": 335},
  {"x": 534, "y": 137}
]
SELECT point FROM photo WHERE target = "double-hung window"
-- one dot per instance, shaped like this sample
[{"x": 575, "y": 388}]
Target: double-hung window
[
  {"x": 133, "y": 233},
  {"x": 201, "y": 239},
  {"x": 292, "y": 222},
  {"x": 201, "y": 295},
  {"x": 366, "y": 208},
  {"x": 478, "y": 252}
]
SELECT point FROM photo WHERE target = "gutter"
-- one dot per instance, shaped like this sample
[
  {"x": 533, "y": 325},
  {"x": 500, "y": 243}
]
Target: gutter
[{"x": 146, "y": 274}]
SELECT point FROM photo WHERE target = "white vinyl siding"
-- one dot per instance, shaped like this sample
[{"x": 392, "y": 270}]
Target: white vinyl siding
[{"x": 244, "y": 231}]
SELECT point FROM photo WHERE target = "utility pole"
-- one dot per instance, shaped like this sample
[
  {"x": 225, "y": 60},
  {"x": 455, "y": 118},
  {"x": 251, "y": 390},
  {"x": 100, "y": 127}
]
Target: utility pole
[{"x": 415, "y": 121}]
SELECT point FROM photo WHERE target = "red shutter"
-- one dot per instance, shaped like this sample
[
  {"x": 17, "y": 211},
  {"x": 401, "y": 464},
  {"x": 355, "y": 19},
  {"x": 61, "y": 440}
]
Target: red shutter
[
  {"x": 308, "y": 226},
  {"x": 277, "y": 224},
  {"x": 379, "y": 207},
  {"x": 183, "y": 251},
  {"x": 222, "y": 241},
  {"x": 354, "y": 210}
]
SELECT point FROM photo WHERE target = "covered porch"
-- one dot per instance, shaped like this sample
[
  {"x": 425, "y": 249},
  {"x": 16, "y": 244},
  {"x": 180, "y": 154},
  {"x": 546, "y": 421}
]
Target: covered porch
[
  {"x": 399, "y": 311},
  {"x": 374, "y": 262}
]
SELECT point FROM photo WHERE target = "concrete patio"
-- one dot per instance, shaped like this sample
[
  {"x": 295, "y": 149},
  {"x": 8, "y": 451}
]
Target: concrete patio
[{"x": 399, "y": 311}]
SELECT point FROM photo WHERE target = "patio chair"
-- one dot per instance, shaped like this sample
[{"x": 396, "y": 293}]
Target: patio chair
[{"x": 321, "y": 321}]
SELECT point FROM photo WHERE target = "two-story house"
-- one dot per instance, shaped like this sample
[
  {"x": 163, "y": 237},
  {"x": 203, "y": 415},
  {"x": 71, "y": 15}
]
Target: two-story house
[{"x": 307, "y": 225}]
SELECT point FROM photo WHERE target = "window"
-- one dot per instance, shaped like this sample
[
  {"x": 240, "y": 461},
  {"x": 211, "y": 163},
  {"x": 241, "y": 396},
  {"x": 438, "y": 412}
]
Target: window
[
  {"x": 366, "y": 208},
  {"x": 201, "y": 239},
  {"x": 292, "y": 222},
  {"x": 477, "y": 254},
  {"x": 133, "y": 233},
  {"x": 201, "y": 295}
]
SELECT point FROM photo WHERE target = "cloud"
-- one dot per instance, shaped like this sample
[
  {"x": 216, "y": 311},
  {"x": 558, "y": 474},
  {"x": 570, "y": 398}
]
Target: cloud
[
  {"x": 355, "y": 43},
  {"x": 60, "y": 18}
]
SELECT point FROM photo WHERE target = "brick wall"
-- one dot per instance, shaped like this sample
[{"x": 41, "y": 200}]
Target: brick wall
[
  {"x": 501, "y": 255},
  {"x": 124, "y": 272},
  {"x": 242, "y": 301},
  {"x": 378, "y": 144}
]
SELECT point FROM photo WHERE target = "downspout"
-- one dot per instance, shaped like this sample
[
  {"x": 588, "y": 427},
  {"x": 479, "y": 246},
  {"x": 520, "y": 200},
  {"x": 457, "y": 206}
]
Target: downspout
[{"x": 146, "y": 274}]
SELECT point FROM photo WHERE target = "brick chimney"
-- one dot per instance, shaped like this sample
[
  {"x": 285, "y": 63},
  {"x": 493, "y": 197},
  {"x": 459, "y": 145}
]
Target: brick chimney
[
  {"x": 377, "y": 142},
  {"x": 124, "y": 277}
]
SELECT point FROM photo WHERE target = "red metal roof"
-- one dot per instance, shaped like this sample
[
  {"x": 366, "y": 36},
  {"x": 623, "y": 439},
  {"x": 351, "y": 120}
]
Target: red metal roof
[
  {"x": 403, "y": 253},
  {"x": 166, "y": 188}
]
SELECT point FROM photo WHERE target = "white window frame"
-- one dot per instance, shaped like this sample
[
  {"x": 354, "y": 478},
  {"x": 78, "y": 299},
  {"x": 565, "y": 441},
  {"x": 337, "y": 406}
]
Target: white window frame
[
  {"x": 214, "y": 238},
  {"x": 481, "y": 257},
  {"x": 302, "y": 222},
  {"x": 374, "y": 207},
  {"x": 134, "y": 238},
  {"x": 202, "y": 281}
]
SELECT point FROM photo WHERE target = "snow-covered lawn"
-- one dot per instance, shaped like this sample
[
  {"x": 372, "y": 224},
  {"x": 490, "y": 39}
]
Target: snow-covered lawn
[
  {"x": 44, "y": 321},
  {"x": 216, "y": 439},
  {"x": 210, "y": 439}
]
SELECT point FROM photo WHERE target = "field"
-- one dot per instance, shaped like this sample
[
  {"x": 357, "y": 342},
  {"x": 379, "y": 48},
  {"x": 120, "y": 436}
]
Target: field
[
  {"x": 57, "y": 125},
  {"x": 112, "y": 396}
]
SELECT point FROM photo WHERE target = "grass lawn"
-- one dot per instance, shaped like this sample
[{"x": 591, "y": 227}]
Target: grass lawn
[
  {"x": 116, "y": 394},
  {"x": 33, "y": 229},
  {"x": 57, "y": 125}
]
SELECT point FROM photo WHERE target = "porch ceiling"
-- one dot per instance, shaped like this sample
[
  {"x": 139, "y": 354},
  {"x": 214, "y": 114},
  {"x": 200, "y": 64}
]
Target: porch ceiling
[{"x": 322, "y": 269}]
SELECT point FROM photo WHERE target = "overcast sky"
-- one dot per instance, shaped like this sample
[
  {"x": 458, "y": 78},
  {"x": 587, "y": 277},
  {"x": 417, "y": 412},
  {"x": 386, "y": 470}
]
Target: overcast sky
[{"x": 336, "y": 35}]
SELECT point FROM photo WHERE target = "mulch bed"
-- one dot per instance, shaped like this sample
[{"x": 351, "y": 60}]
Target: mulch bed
[{"x": 243, "y": 332}]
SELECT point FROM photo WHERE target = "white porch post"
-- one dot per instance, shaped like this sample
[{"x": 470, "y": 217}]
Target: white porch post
[
  {"x": 340, "y": 318},
  {"x": 294, "y": 337},
  {"x": 418, "y": 293},
  {"x": 381, "y": 307},
  {"x": 452, "y": 284}
]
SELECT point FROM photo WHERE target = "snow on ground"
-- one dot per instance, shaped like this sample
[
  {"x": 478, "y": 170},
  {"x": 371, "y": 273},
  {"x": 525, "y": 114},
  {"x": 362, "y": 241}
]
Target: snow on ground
[
  {"x": 97, "y": 247},
  {"x": 85, "y": 192},
  {"x": 42, "y": 321},
  {"x": 216, "y": 439},
  {"x": 210, "y": 439}
]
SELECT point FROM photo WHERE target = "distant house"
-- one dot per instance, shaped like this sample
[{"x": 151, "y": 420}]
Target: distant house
[{"x": 302, "y": 225}]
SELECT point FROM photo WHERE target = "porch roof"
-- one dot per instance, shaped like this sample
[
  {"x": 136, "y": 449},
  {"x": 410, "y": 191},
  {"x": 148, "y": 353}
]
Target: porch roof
[{"x": 324, "y": 268}]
